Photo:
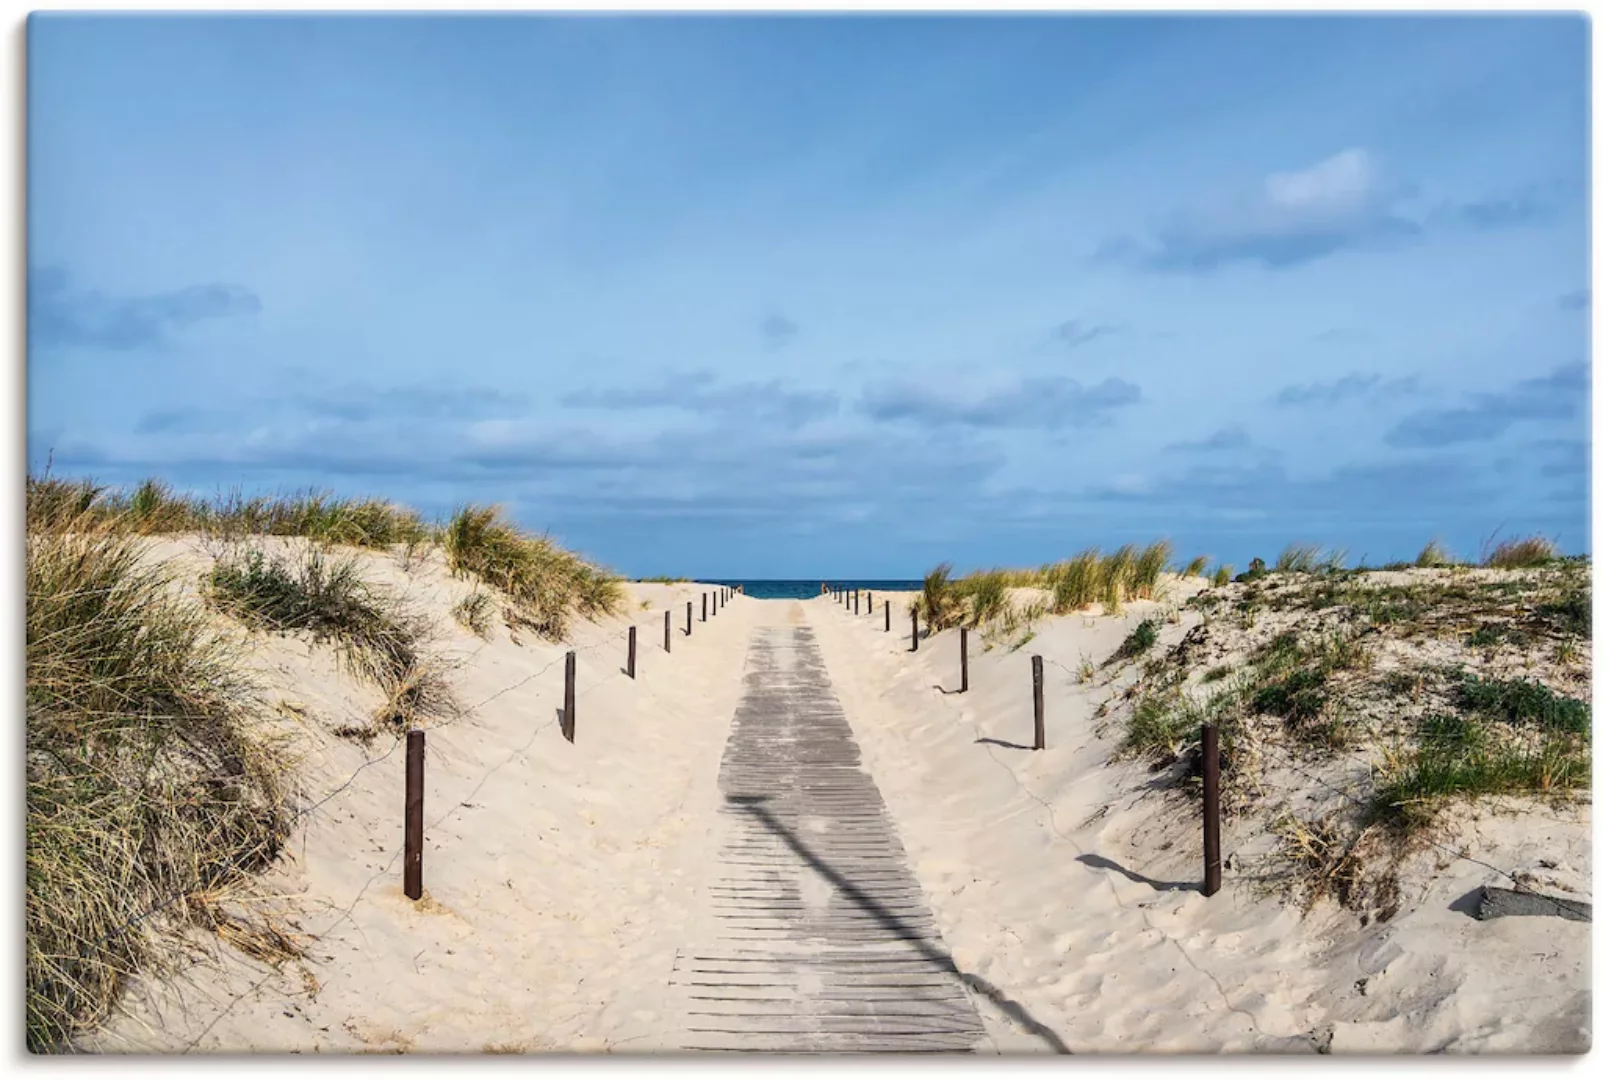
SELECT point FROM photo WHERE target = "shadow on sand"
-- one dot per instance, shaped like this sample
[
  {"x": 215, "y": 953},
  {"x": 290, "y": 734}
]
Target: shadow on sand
[
  {"x": 1162, "y": 886},
  {"x": 753, "y": 805}
]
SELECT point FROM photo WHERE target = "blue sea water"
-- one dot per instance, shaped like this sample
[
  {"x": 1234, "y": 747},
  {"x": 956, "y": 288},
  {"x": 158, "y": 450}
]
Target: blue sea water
[{"x": 805, "y": 589}]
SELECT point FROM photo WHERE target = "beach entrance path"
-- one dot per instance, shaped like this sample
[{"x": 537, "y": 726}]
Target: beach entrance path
[{"x": 814, "y": 936}]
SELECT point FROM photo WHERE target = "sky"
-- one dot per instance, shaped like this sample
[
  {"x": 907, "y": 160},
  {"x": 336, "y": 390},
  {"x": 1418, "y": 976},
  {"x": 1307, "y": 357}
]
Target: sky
[{"x": 828, "y": 296}]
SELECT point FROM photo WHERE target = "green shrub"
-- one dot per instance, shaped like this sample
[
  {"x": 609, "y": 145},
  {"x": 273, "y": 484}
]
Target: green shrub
[
  {"x": 1521, "y": 701},
  {"x": 1139, "y": 640}
]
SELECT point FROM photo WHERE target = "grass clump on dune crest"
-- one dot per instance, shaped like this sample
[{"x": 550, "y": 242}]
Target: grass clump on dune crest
[
  {"x": 1521, "y": 554},
  {"x": 152, "y": 508},
  {"x": 146, "y": 776},
  {"x": 1074, "y": 584},
  {"x": 544, "y": 581}
]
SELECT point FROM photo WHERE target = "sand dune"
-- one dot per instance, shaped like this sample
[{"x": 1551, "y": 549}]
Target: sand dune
[{"x": 560, "y": 879}]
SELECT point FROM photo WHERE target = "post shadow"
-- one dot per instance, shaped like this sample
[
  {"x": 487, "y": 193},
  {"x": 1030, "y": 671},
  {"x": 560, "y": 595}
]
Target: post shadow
[
  {"x": 1002, "y": 742},
  {"x": 752, "y": 804},
  {"x": 1102, "y": 863}
]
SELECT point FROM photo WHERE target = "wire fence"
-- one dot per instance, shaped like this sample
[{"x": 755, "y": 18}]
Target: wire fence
[{"x": 246, "y": 859}]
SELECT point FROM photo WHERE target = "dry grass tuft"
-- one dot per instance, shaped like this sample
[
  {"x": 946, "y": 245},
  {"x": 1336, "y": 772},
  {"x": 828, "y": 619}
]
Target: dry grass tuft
[{"x": 543, "y": 581}]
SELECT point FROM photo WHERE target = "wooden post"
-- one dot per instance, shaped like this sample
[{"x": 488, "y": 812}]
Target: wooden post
[
  {"x": 412, "y": 873},
  {"x": 703, "y": 607},
  {"x": 570, "y": 672},
  {"x": 667, "y": 631},
  {"x": 631, "y": 652},
  {"x": 962, "y": 655},
  {"x": 887, "y": 616},
  {"x": 871, "y": 602},
  {"x": 1210, "y": 809},
  {"x": 1040, "y": 703},
  {"x": 915, "y": 628},
  {"x": 689, "y": 615}
]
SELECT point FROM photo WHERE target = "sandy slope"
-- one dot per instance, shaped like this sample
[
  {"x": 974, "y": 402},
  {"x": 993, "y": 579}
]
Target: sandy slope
[
  {"x": 557, "y": 876},
  {"x": 1066, "y": 880},
  {"x": 561, "y": 878}
]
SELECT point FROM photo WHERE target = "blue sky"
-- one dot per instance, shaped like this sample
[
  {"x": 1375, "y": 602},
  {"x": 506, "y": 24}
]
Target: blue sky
[{"x": 828, "y": 296}]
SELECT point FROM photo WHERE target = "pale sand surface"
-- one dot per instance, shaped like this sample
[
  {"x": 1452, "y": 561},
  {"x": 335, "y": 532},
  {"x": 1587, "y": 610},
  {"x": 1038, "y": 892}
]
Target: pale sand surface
[{"x": 561, "y": 879}]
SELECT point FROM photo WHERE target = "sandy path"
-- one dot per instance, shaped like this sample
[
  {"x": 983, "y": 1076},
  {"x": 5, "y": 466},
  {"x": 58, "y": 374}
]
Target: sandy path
[{"x": 815, "y": 936}]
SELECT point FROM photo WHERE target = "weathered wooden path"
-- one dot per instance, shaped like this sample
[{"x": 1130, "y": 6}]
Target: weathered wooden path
[{"x": 818, "y": 938}]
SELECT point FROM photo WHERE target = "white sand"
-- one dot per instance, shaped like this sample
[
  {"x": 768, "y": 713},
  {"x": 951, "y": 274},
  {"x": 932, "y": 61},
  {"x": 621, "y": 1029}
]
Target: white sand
[{"x": 561, "y": 878}]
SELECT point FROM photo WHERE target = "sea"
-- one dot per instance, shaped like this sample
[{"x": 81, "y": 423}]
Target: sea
[{"x": 810, "y": 587}]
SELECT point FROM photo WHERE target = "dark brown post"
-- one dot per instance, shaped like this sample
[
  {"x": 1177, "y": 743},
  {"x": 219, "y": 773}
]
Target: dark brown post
[
  {"x": 703, "y": 607},
  {"x": 915, "y": 628},
  {"x": 570, "y": 671},
  {"x": 857, "y": 601},
  {"x": 689, "y": 615},
  {"x": 1040, "y": 703},
  {"x": 715, "y": 605},
  {"x": 667, "y": 631},
  {"x": 871, "y": 602},
  {"x": 631, "y": 652},
  {"x": 413, "y": 868},
  {"x": 887, "y": 616},
  {"x": 1210, "y": 809},
  {"x": 962, "y": 655}
]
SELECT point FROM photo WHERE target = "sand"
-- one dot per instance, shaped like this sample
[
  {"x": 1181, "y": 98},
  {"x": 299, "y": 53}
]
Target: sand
[{"x": 560, "y": 879}]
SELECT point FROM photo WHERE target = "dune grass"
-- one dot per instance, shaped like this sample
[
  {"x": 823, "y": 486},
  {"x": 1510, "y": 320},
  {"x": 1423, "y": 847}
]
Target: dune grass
[
  {"x": 147, "y": 777},
  {"x": 1074, "y": 584},
  {"x": 1518, "y": 554},
  {"x": 379, "y": 639},
  {"x": 543, "y": 581},
  {"x": 152, "y": 508}
]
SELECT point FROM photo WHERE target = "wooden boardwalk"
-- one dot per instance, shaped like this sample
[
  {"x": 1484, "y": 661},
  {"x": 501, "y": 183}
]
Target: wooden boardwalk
[{"x": 818, "y": 938}]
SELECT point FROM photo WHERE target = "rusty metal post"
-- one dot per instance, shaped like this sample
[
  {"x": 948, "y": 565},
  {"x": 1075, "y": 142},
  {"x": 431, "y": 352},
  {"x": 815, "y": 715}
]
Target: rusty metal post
[
  {"x": 667, "y": 631},
  {"x": 412, "y": 874},
  {"x": 570, "y": 672},
  {"x": 1210, "y": 809},
  {"x": 962, "y": 655},
  {"x": 1040, "y": 703},
  {"x": 915, "y": 628},
  {"x": 631, "y": 652}
]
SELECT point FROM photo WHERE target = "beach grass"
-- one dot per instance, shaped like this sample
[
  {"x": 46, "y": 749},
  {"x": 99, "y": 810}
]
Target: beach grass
[{"x": 148, "y": 777}]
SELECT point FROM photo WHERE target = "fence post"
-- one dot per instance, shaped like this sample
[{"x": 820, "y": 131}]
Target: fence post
[
  {"x": 703, "y": 607},
  {"x": 1040, "y": 703},
  {"x": 631, "y": 652},
  {"x": 871, "y": 601},
  {"x": 962, "y": 654},
  {"x": 689, "y": 616},
  {"x": 887, "y": 606},
  {"x": 667, "y": 631},
  {"x": 914, "y": 610},
  {"x": 569, "y": 673},
  {"x": 1210, "y": 809},
  {"x": 857, "y": 601},
  {"x": 412, "y": 874}
]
